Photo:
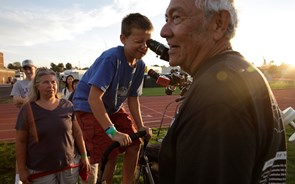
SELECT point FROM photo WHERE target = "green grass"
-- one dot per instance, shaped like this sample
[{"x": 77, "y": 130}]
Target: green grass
[
  {"x": 7, "y": 160},
  {"x": 281, "y": 85},
  {"x": 290, "y": 157},
  {"x": 158, "y": 91},
  {"x": 154, "y": 140}
]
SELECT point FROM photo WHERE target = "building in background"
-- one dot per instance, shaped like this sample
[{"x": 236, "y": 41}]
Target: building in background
[
  {"x": 1, "y": 60},
  {"x": 77, "y": 74},
  {"x": 6, "y": 75}
]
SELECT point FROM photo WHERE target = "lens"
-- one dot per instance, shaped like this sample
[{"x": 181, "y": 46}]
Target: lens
[{"x": 159, "y": 49}]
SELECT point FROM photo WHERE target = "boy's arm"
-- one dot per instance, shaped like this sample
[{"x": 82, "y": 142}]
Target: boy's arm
[
  {"x": 16, "y": 95},
  {"x": 134, "y": 108},
  {"x": 19, "y": 101},
  {"x": 97, "y": 107},
  {"x": 100, "y": 114}
]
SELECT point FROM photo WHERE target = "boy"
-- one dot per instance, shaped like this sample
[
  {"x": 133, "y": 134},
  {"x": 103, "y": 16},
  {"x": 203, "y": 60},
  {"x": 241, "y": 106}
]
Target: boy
[{"x": 115, "y": 76}]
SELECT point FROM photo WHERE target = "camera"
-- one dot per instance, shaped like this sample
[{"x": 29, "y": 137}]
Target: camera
[
  {"x": 180, "y": 80},
  {"x": 159, "y": 49}
]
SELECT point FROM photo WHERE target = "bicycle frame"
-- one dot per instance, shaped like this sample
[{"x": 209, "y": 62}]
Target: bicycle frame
[{"x": 145, "y": 166}]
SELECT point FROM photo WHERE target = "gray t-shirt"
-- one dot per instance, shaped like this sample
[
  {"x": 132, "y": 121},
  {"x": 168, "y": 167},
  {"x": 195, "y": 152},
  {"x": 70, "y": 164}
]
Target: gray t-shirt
[
  {"x": 55, "y": 149},
  {"x": 20, "y": 88}
]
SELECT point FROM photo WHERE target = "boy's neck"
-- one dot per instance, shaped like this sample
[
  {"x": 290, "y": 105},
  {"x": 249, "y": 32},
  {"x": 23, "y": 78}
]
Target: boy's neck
[{"x": 132, "y": 63}]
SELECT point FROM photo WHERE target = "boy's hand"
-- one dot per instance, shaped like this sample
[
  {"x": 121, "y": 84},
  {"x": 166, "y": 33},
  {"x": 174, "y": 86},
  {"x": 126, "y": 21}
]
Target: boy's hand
[
  {"x": 122, "y": 138},
  {"x": 148, "y": 130}
]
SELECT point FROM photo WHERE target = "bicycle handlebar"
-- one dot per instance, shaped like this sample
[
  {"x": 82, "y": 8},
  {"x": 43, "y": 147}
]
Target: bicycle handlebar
[{"x": 114, "y": 145}]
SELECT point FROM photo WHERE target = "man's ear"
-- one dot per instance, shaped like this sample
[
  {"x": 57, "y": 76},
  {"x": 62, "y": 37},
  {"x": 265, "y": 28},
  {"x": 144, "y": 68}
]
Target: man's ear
[
  {"x": 221, "y": 21},
  {"x": 123, "y": 38}
]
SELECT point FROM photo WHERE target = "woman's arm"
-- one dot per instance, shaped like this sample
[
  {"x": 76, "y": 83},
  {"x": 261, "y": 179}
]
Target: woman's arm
[
  {"x": 21, "y": 150},
  {"x": 78, "y": 136}
]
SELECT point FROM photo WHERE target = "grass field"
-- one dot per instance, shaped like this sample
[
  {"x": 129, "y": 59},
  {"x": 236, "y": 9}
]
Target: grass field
[{"x": 7, "y": 150}]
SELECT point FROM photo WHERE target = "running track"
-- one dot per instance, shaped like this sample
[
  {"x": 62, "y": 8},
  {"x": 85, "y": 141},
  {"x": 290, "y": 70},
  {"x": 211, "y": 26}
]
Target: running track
[{"x": 152, "y": 111}]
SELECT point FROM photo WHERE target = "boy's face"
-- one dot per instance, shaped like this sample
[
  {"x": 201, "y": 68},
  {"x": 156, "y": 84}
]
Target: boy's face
[{"x": 135, "y": 45}]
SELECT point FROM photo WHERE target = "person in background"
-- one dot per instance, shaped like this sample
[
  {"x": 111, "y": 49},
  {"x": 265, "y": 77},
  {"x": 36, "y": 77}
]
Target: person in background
[
  {"x": 20, "y": 91},
  {"x": 115, "y": 76},
  {"x": 74, "y": 85},
  {"x": 229, "y": 128},
  {"x": 68, "y": 89},
  {"x": 46, "y": 135}
]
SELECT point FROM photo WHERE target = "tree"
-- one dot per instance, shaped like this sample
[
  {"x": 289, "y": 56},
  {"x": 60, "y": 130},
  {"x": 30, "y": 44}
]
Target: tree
[
  {"x": 57, "y": 68},
  {"x": 69, "y": 66},
  {"x": 60, "y": 67},
  {"x": 14, "y": 66},
  {"x": 52, "y": 66},
  {"x": 264, "y": 62}
]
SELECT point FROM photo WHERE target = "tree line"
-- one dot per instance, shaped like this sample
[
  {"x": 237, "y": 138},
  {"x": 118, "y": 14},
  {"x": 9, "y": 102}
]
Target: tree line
[
  {"x": 269, "y": 69},
  {"x": 60, "y": 67}
]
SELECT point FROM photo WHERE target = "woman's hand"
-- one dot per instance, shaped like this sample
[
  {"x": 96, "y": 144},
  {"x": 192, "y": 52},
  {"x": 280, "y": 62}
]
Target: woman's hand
[
  {"x": 24, "y": 176},
  {"x": 85, "y": 164}
]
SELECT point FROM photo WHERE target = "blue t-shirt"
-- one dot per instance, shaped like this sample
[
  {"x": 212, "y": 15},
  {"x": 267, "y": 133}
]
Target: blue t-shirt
[{"x": 111, "y": 73}]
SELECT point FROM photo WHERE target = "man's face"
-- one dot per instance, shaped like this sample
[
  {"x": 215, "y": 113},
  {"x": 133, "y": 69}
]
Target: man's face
[
  {"x": 30, "y": 72},
  {"x": 187, "y": 34}
]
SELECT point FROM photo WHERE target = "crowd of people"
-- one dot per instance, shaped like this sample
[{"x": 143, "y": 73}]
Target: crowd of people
[{"x": 228, "y": 130}]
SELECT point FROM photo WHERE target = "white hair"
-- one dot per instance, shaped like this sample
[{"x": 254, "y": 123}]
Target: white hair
[{"x": 212, "y": 6}]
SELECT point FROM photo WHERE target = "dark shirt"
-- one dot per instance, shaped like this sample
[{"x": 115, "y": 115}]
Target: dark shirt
[
  {"x": 55, "y": 148},
  {"x": 228, "y": 131}
]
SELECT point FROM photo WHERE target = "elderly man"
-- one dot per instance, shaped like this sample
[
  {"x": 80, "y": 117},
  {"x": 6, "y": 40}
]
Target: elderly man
[{"x": 229, "y": 128}]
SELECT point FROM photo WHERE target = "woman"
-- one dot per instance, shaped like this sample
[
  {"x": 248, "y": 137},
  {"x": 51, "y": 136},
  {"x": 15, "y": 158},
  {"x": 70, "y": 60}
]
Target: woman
[
  {"x": 47, "y": 134},
  {"x": 74, "y": 84},
  {"x": 68, "y": 89}
]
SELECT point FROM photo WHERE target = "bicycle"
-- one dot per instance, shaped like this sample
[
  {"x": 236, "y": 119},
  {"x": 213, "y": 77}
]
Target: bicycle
[
  {"x": 147, "y": 167},
  {"x": 114, "y": 145},
  {"x": 147, "y": 172}
]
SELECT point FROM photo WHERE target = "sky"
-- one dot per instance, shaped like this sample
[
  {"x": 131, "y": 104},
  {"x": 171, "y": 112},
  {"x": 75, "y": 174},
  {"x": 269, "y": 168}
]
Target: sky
[{"x": 78, "y": 31}]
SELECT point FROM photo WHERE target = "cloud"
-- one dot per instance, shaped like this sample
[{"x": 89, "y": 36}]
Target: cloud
[
  {"x": 40, "y": 26},
  {"x": 54, "y": 31},
  {"x": 35, "y": 25}
]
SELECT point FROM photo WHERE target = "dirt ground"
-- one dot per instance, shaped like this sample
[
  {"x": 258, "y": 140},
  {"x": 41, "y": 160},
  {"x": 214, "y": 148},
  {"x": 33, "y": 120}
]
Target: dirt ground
[{"x": 153, "y": 109}]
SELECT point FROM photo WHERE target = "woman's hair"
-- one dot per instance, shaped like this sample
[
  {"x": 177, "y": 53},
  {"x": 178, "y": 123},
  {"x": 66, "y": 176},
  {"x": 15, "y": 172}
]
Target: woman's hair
[
  {"x": 212, "y": 6},
  {"x": 33, "y": 91},
  {"x": 67, "y": 85},
  {"x": 75, "y": 81}
]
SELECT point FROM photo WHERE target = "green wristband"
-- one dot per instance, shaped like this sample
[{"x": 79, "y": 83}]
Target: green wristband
[
  {"x": 83, "y": 155},
  {"x": 111, "y": 131}
]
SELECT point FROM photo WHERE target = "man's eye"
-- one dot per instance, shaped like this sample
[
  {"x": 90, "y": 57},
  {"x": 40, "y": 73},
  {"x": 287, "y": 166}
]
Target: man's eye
[{"x": 176, "y": 19}]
